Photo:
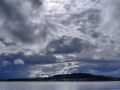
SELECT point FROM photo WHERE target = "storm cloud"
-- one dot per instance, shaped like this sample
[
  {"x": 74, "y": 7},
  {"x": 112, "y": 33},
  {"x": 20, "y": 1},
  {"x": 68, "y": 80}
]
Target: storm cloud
[
  {"x": 65, "y": 45},
  {"x": 44, "y": 37}
]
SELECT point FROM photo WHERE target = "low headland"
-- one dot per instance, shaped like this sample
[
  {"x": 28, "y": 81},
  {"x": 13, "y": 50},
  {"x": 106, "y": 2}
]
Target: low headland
[{"x": 69, "y": 77}]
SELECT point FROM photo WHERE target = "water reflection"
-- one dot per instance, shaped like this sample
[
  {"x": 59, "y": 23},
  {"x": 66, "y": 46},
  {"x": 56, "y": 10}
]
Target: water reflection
[{"x": 59, "y": 86}]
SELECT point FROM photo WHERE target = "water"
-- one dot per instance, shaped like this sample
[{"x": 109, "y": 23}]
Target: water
[{"x": 59, "y": 85}]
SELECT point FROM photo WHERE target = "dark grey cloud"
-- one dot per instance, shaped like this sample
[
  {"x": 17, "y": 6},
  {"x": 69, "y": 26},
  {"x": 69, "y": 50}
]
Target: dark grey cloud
[
  {"x": 65, "y": 45},
  {"x": 9, "y": 11},
  {"x": 6, "y": 43},
  {"x": 15, "y": 22},
  {"x": 17, "y": 26},
  {"x": 37, "y": 3},
  {"x": 47, "y": 59}
]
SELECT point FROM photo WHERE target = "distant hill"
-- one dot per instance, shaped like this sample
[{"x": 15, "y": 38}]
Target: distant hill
[{"x": 70, "y": 77}]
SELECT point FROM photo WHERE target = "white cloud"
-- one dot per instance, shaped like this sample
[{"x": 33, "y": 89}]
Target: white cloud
[
  {"x": 53, "y": 69},
  {"x": 19, "y": 62},
  {"x": 37, "y": 73}
]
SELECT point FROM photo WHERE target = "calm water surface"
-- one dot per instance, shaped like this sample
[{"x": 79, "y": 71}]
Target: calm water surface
[{"x": 59, "y": 85}]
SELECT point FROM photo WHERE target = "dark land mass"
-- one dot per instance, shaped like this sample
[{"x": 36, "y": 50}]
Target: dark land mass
[{"x": 69, "y": 77}]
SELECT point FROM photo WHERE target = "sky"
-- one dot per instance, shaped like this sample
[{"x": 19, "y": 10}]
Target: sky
[{"x": 41, "y": 38}]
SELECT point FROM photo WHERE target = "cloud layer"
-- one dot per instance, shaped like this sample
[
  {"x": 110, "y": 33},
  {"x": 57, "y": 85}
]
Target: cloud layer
[{"x": 50, "y": 37}]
